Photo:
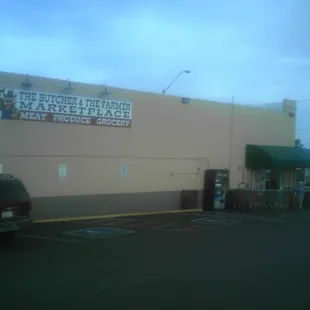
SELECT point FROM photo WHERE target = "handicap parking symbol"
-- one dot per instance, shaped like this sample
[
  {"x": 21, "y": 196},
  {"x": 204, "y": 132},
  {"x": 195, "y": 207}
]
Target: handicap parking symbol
[
  {"x": 217, "y": 220},
  {"x": 99, "y": 232}
]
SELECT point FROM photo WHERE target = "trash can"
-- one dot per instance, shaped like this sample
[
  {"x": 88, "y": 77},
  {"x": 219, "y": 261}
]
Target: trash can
[{"x": 189, "y": 199}]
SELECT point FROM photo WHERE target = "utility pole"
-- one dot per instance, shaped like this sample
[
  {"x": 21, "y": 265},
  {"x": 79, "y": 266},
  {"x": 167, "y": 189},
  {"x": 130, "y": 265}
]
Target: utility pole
[{"x": 231, "y": 135}]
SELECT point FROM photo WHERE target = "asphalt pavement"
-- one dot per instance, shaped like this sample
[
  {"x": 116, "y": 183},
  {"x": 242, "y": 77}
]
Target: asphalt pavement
[{"x": 173, "y": 261}]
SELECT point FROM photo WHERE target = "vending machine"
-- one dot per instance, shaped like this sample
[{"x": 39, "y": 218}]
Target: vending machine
[{"x": 215, "y": 188}]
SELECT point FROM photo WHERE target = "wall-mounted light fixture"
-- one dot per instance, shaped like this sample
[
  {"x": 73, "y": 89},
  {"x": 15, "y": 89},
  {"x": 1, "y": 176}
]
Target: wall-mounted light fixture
[
  {"x": 27, "y": 83},
  {"x": 68, "y": 88},
  {"x": 105, "y": 92}
]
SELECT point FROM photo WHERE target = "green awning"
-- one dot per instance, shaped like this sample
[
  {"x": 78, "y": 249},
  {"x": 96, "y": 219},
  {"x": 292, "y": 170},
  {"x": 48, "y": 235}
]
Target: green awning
[{"x": 268, "y": 157}]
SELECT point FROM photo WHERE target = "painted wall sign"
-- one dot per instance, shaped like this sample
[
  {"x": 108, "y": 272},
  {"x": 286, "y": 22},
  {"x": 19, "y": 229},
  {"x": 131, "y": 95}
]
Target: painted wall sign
[
  {"x": 123, "y": 170},
  {"x": 35, "y": 105},
  {"x": 62, "y": 171}
]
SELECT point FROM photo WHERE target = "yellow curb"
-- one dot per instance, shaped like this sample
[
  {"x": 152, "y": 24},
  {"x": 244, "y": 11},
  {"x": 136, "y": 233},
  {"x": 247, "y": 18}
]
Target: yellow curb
[{"x": 94, "y": 217}]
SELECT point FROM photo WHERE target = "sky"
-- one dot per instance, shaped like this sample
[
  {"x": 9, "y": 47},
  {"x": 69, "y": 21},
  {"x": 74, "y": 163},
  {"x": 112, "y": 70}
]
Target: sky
[{"x": 257, "y": 51}]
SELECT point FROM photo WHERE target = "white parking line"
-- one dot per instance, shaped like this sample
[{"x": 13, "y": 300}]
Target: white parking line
[
  {"x": 50, "y": 238},
  {"x": 242, "y": 216},
  {"x": 187, "y": 228}
]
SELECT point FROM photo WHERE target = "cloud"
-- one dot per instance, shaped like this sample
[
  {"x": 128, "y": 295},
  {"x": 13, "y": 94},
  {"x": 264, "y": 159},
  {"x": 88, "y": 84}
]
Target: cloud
[
  {"x": 54, "y": 56},
  {"x": 255, "y": 51},
  {"x": 231, "y": 48}
]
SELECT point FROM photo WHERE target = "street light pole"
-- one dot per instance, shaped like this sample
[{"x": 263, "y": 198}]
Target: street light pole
[{"x": 184, "y": 71}]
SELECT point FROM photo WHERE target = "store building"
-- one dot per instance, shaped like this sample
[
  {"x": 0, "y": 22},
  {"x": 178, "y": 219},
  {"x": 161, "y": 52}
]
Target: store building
[{"x": 83, "y": 149}]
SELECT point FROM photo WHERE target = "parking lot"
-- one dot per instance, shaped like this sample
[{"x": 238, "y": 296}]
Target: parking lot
[{"x": 168, "y": 261}]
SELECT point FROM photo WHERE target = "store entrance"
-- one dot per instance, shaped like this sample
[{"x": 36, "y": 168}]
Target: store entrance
[{"x": 272, "y": 179}]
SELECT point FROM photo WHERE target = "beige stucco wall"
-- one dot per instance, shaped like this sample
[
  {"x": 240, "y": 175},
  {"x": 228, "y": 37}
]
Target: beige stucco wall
[{"x": 166, "y": 145}]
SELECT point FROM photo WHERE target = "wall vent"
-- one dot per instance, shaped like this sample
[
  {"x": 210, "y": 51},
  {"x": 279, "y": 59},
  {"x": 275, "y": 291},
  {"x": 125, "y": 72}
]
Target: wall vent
[{"x": 185, "y": 100}]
